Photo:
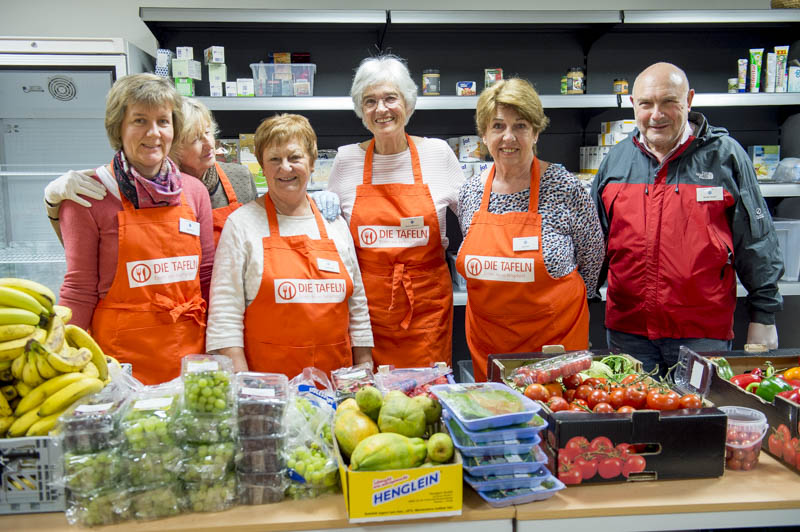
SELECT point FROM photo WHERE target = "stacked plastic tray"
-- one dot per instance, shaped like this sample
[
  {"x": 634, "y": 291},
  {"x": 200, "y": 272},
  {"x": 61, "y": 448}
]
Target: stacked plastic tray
[
  {"x": 261, "y": 468},
  {"x": 496, "y": 429}
]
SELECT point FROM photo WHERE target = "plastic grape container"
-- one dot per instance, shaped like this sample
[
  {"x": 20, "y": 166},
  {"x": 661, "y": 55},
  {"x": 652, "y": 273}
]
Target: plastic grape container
[
  {"x": 261, "y": 488},
  {"x": 102, "y": 508},
  {"x": 261, "y": 403},
  {"x": 205, "y": 428},
  {"x": 485, "y": 405},
  {"x": 207, "y": 384},
  {"x": 262, "y": 453},
  {"x": 501, "y": 498},
  {"x": 148, "y": 421},
  {"x": 156, "y": 503},
  {"x": 87, "y": 473},
  {"x": 211, "y": 497},
  {"x": 208, "y": 463},
  {"x": 156, "y": 466},
  {"x": 91, "y": 425}
]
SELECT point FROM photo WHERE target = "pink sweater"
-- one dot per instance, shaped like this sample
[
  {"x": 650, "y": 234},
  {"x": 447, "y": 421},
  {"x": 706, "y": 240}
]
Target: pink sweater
[{"x": 91, "y": 243}]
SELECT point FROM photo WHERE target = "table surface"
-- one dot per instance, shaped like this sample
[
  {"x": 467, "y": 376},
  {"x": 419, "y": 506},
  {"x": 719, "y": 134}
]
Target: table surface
[{"x": 771, "y": 486}]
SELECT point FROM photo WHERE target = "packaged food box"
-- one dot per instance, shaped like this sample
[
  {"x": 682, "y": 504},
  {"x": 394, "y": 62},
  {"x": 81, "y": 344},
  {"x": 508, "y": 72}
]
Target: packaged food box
[
  {"x": 485, "y": 405},
  {"x": 508, "y": 481},
  {"x": 87, "y": 473},
  {"x": 550, "y": 369},
  {"x": 275, "y": 79},
  {"x": 262, "y": 453},
  {"x": 501, "y": 498},
  {"x": 207, "y": 384},
  {"x": 91, "y": 425},
  {"x": 187, "y": 68},
  {"x": 261, "y": 403},
  {"x": 765, "y": 160},
  {"x": 105, "y": 507},
  {"x": 147, "y": 421},
  {"x": 211, "y": 496},
  {"x": 157, "y": 466},
  {"x": 347, "y": 381},
  {"x": 208, "y": 463},
  {"x": 156, "y": 503},
  {"x": 505, "y": 464},
  {"x": 489, "y": 448},
  {"x": 214, "y": 54},
  {"x": 412, "y": 381},
  {"x": 205, "y": 428},
  {"x": 642, "y": 445},
  {"x": 510, "y": 432},
  {"x": 261, "y": 488}
]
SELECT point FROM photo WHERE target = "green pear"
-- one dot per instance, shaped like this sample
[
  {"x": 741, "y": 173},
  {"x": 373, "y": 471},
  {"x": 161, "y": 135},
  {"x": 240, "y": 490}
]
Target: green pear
[{"x": 440, "y": 447}]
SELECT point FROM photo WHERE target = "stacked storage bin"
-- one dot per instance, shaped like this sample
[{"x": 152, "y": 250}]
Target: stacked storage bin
[
  {"x": 502, "y": 458},
  {"x": 261, "y": 404},
  {"x": 93, "y": 466},
  {"x": 207, "y": 429}
]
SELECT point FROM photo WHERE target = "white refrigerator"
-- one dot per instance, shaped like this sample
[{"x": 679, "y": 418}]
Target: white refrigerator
[{"x": 52, "y": 106}]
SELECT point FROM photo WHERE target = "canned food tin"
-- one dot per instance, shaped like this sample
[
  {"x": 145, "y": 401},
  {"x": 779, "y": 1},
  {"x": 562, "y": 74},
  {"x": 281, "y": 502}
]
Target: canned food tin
[
  {"x": 466, "y": 88},
  {"x": 430, "y": 82},
  {"x": 620, "y": 86},
  {"x": 491, "y": 76}
]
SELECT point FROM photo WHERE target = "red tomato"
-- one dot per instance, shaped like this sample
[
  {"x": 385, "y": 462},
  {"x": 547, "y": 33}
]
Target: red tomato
[
  {"x": 596, "y": 382},
  {"x": 789, "y": 452},
  {"x": 557, "y": 404},
  {"x": 690, "y": 400},
  {"x": 571, "y": 382},
  {"x": 569, "y": 474},
  {"x": 578, "y": 407},
  {"x": 624, "y": 450},
  {"x": 629, "y": 379},
  {"x": 569, "y": 395},
  {"x": 597, "y": 396},
  {"x": 783, "y": 432},
  {"x": 625, "y": 409},
  {"x": 537, "y": 392},
  {"x": 603, "y": 408},
  {"x": 635, "y": 397},
  {"x": 661, "y": 399},
  {"x": 555, "y": 389},
  {"x": 588, "y": 467},
  {"x": 580, "y": 402},
  {"x": 609, "y": 467},
  {"x": 616, "y": 397},
  {"x": 733, "y": 464},
  {"x": 583, "y": 391},
  {"x": 575, "y": 446},
  {"x": 601, "y": 444},
  {"x": 633, "y": 464},
  {"x": 564, "y": 457}
]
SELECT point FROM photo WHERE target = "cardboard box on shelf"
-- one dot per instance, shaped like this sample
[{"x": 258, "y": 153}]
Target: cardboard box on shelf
[
  {"x": 783, "y": 415},
  {"x": 231, "y": 89},
  {"x": 244, "y": 87},
  {"x": 618, "y": 126},
  {"x": 765, "y": 160},
  {"x": 214, "y": 54},
  {"x": 659, "y": 437},
  {"x": 184, "y": 52},
  {"x": 215, "y": 89},
  {"x": 217, "y": 72},
  {"x": 187, "y": 68},
  {"x": 247, "y": 157},
  {"x": 416, "y": 493},
  {"x": 611, "y": 139},
  {"x": 185, "y": 87}
]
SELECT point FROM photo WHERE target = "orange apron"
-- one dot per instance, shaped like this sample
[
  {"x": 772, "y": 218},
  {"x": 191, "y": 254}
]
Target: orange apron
[
  {"x": 153, "y": 314},
  {"x": 513, "y": 305},
  {"x": 220, "y": 214},
  {"x": 300, "y": 317},
  {"x": 395, "y": 229}
]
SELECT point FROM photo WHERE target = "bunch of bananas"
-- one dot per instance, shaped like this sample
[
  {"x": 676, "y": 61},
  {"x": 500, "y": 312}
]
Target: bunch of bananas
[{"x": 46, "y": 364}]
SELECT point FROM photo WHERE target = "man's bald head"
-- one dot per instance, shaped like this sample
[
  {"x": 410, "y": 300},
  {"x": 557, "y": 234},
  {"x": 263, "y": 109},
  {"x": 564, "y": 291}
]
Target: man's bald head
[{"x": 662, "y": 72}]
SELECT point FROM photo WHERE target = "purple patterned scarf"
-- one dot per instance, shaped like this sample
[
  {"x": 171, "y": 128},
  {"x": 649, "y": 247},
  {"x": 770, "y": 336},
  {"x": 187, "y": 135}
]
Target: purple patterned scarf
[{"x": 164, "y": 190}]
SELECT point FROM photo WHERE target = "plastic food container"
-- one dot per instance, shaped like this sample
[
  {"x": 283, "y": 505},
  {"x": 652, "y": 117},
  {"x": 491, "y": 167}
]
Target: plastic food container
[
  {"x": 347, "y": 381},
  {"x": 746, "y": 429},
  {"x": 521, "y": 431},
  {"x": 208, "y": 463},
  {"x": 490, "y": 448},
  {"x": 262, "y": 454},
  {"x": 147, "y": 423},
  {"x": 207, "y": 384},
  {"x": 153, "y": 467},
  {"x": 485, "y": 405},
  {"x": 501, "y": 498},
  {"x": 261, "y": 402},
  {"x": 549, "y": 369},
  {"x": 261, "y": 488},
  {"x": 203, "y": 428},
  {"x": 156, "y": 503},
  {"x": 101, "y": 508},
  {"x": 283, "y": 79},
  {"x": 86, "y": 473},
  {"x": 505, "y": 464},
  {"x": 211, "y": 497},
  {"x": 507, "y": 482},
  {"x": 92, "y": 425}
]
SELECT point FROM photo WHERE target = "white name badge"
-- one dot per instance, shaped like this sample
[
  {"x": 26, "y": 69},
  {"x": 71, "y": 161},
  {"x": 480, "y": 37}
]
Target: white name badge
[
  {"x": 499, "y": 269},
  {"x": 314, "y": 291},
  {"x": 526, "y": 243},
  {"x": 162, "y": 271},
  {"x": 189, "y": 227},
  {"x": 709, "y": 194},
  {"x": 413, "y": 221},
  {"x": 326, "y": 265},
  {"x": 392, "y": 236}
]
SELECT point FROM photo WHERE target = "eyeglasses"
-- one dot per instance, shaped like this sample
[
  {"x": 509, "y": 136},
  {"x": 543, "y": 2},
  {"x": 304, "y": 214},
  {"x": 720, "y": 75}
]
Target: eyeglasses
[{"x": 389, "y": 100}]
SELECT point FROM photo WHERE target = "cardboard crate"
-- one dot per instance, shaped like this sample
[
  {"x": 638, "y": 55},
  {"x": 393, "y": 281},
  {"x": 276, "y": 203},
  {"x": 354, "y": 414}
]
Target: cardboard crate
[
  {"x": 415, "y": 493},
  {"x": 29, "y": 468},
  {"x": 782, "y": 412},
  {"x": 674, "y": 445}
]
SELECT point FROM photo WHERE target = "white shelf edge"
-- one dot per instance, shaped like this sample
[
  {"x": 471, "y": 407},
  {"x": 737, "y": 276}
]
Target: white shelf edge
[
  {"x": 301, "y": 103},
  {"x": 744, "y": 99},
  {"x": 780, "y": 190},
  {"x": 400, "y": 16},
  {"x": 708, "y": 16},
  {"x": 282, "y": 16}
]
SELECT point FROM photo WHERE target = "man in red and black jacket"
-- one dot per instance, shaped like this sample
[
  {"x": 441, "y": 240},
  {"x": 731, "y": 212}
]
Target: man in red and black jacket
[{"x": 683, "y": 214}]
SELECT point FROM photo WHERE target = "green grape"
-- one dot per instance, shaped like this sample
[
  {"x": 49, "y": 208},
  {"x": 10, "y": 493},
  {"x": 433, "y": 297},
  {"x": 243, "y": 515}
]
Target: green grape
[{"x": 84, "y": 473}]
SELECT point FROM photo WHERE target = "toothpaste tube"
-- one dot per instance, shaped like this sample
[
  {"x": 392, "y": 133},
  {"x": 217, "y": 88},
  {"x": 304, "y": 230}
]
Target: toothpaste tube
[
  {"x": 781, "y": 56},
  {"x": 770, "y": 79},
  {"x": 756, "y": 56},
  {"x": 742, "y": 77}
]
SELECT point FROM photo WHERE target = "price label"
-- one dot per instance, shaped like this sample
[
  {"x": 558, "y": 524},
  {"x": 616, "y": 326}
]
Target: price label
[
  {"x": 696, "y": 378},
  {"x": 513, "y": 458},
  {"x": 93, "y": 408},
  {"x": 205, "y": 365},
  {"x": 259, "y": 392},
  {"x": 158, "y": 403}
]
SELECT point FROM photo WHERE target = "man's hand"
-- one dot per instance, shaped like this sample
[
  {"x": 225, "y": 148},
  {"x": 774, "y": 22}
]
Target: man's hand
[
  {"x": 361, "y": 355},
  {"x": 759, "y": 333},
  {"x": 327, "y": 203},
  {"x": 73, "y": 185}
]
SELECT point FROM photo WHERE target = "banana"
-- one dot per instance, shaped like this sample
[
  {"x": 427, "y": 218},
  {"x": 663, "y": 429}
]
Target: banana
[
  {"x": 22, "y": 388},
  {"x": 37, "y": 396},
  {"x": 9, "y": 392},
  {"x": 14, "y": 348},
  {"x": 64, "y": 312},
  {"x": 11, "y": 297},
  {"x": 91, "y": 370},
  {"x": 6, "y": 375},
  {"x": 16, "y": 484},
  {"x": 5, "y": 423},
  {"x": 14, "y": 331},
  {"x": 44, "y": 425},
  {"x": 75, "y": 360},
  {"x": 38, "y": 291},
  {"x": 17, "y": 365},
  {"x": 6, "y": 364},
  {"x": 80, "y": 338},
  {"x": 45, "y": 369},
  {"x": 69, "y": 394},
  {"x": 23, "y": 423},
  {"x": 56, "y": 335},
  {"x": 14, "y": 316},
  {"x": 27, "y": 481},
  {"x": 5, "y": 408},
  {"x": 30, "y": 375}
]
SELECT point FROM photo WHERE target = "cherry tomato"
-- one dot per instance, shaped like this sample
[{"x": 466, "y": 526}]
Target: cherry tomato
[
  {"x": 629, "y": 379},
  {"x": 603, "y": 408},
  {"x": 583, "y": 391},
  {"x": 661, "y": 399},
  {"x": 569, "y": 395},
  {"x": 596, "y": 382},
  {"x": 557, "y": 404},
  {"x": 635, "y": 397},
  {"x": 571, "y": 382},
  {"x": 555, "y": 389},
  {"x": 569, "y": 474},
  {"x": 733, "y": 464},
  {"x": 580, "y": 402},
  {"x": 575, "y": 406},
  {"x": 609, "y": 467},
  {"x": 537, "y": 392},
  {"x": 625, "y": 409},
  {"x": 587, "y": 466},
  {"x": 597, "y": 396},
  {"x": 691, "y": 400},
  {"x": 616, "y": 397},
  {"x": 633, "y": 464}
]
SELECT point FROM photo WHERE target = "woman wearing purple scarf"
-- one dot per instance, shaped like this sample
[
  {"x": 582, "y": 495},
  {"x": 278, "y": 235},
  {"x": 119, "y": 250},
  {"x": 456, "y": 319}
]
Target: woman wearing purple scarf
[{"x": 139, "y": 260}]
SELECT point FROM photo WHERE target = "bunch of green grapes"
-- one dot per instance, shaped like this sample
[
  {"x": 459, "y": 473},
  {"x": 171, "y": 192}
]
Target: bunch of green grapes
[
  {"x": 156, "y": 503},
  {"x": 215, "y": 497},
  {"x": 313, "y": 465},
  {"x": 103, "y": 508},
  {"x": 203, "y": 428},
  {"x": 153, "y": 467},
  {"x": 208, "y": 463},
  {"x": 148, "y": 428},
  {"x": 208, "y": 391},
  {"x": 84, "y": 473},
  {"x": 297, "y": 491}
]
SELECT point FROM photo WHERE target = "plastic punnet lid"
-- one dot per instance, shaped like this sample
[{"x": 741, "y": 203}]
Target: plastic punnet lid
[
  {"x": 745, "y": 419},
  {"x": 694, "y": 373}
]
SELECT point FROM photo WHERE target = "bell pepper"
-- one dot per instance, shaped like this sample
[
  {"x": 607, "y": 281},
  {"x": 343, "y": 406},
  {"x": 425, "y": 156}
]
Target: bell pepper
[
  {"x": 724, "y": 369},
  {"x": 792, "y": 374},
  {"x": 768, "y": 388},
  {"x": 745, "y": 379},
  {"x": 791, "y": 395},
  {"x": 795, "y": 383}
]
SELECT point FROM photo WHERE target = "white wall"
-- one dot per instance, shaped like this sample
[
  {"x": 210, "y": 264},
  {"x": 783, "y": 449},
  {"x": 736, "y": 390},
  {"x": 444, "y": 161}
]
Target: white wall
[{"x": 120, "y": 18}]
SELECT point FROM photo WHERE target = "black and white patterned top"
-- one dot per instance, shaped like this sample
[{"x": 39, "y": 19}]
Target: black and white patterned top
[{"x": 571, "y": 233}]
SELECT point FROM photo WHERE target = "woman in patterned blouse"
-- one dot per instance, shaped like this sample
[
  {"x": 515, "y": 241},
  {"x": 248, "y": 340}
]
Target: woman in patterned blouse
[{"x": 530, "y": 259}]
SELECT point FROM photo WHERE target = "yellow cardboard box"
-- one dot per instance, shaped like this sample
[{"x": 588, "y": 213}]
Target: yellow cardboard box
[{"x": 396, "y": 494}]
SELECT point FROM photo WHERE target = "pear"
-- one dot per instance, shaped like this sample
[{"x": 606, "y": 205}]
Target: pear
[{"x": 440, "y": 447}]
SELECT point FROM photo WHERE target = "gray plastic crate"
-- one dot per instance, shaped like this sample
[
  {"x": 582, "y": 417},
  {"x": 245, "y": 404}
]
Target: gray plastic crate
[
  {"x": 29, "y": 468},
  {"x": 465, "y": 373}
]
